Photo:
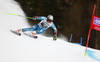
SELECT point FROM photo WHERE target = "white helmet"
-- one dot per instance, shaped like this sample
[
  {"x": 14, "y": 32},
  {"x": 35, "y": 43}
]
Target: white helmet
[{"x": 50, "y": 17}]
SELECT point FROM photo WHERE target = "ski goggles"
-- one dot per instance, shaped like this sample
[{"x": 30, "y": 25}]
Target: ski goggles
[{"x": 50, "y": 20}]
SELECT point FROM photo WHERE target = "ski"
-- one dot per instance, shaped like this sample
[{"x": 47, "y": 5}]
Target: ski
[
  {"x": 15, "y": 32},
  {"x": 33, "y": 36}
]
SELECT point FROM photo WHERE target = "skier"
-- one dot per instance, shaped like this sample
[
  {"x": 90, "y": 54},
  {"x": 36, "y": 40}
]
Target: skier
[{"x": 45, "y": 23}]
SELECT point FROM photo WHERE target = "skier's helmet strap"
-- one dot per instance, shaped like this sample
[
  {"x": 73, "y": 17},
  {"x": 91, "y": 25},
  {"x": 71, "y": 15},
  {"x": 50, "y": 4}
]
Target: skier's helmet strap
[{"x": 50, "y": 17}]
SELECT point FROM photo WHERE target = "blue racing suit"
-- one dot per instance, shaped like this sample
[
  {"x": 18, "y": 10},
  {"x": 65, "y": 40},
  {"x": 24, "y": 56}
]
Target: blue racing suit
[{"x": 42, "y": 26}]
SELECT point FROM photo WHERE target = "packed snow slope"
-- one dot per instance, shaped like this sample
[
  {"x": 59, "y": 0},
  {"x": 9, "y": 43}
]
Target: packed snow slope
[{"x": 15, "y": 48}]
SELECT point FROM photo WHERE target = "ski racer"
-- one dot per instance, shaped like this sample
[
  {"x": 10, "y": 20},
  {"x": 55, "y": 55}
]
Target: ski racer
[{"x": 44, "y": 24}]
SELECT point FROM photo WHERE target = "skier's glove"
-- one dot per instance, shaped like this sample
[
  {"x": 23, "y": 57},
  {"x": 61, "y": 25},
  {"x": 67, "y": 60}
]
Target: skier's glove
[
  {"x": 55, "y": 37},
  {"x": 34, "y": 18}
]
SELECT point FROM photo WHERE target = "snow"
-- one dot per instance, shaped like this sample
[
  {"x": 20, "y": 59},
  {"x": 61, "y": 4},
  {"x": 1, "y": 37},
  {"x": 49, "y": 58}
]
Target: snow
[{"x": 15, "y": 48}]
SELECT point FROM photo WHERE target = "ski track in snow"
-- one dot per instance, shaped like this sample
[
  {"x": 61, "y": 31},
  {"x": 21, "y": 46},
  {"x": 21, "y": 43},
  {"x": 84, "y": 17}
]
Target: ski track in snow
[{"x": 15, "y": 48}]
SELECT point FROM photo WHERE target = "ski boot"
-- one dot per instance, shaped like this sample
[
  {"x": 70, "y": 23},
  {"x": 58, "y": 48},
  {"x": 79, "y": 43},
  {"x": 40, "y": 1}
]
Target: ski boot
[
  {"x": 16, "y": 32},
  {"x": 19, "y": 31},
  {"x": 34, "y": 35}
]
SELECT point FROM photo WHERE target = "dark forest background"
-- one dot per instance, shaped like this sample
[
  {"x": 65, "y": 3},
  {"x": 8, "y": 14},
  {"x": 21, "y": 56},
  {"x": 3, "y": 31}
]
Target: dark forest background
[{"x": 70, "y": 17}]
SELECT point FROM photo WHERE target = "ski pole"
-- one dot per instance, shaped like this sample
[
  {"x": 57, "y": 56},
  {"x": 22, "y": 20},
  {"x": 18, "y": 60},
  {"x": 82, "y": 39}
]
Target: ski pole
[{"x": 16, "y": 15}]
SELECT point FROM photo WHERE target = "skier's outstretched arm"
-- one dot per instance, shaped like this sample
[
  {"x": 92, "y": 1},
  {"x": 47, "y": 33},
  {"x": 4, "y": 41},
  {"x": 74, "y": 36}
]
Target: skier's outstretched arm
[
  {"x": 37, "y": 18},
  {"x": 55, "y": 31}
]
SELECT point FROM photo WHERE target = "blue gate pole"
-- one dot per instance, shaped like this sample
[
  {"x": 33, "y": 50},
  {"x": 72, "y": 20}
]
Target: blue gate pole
[
  {"x": 81, "y": 41},
  {"x": 71, "y": 38}
]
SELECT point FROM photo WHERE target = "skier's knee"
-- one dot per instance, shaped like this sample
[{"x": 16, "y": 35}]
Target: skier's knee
[
  {"x": 41, "y": 31},
  {"x": 38, "y": 32}
]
